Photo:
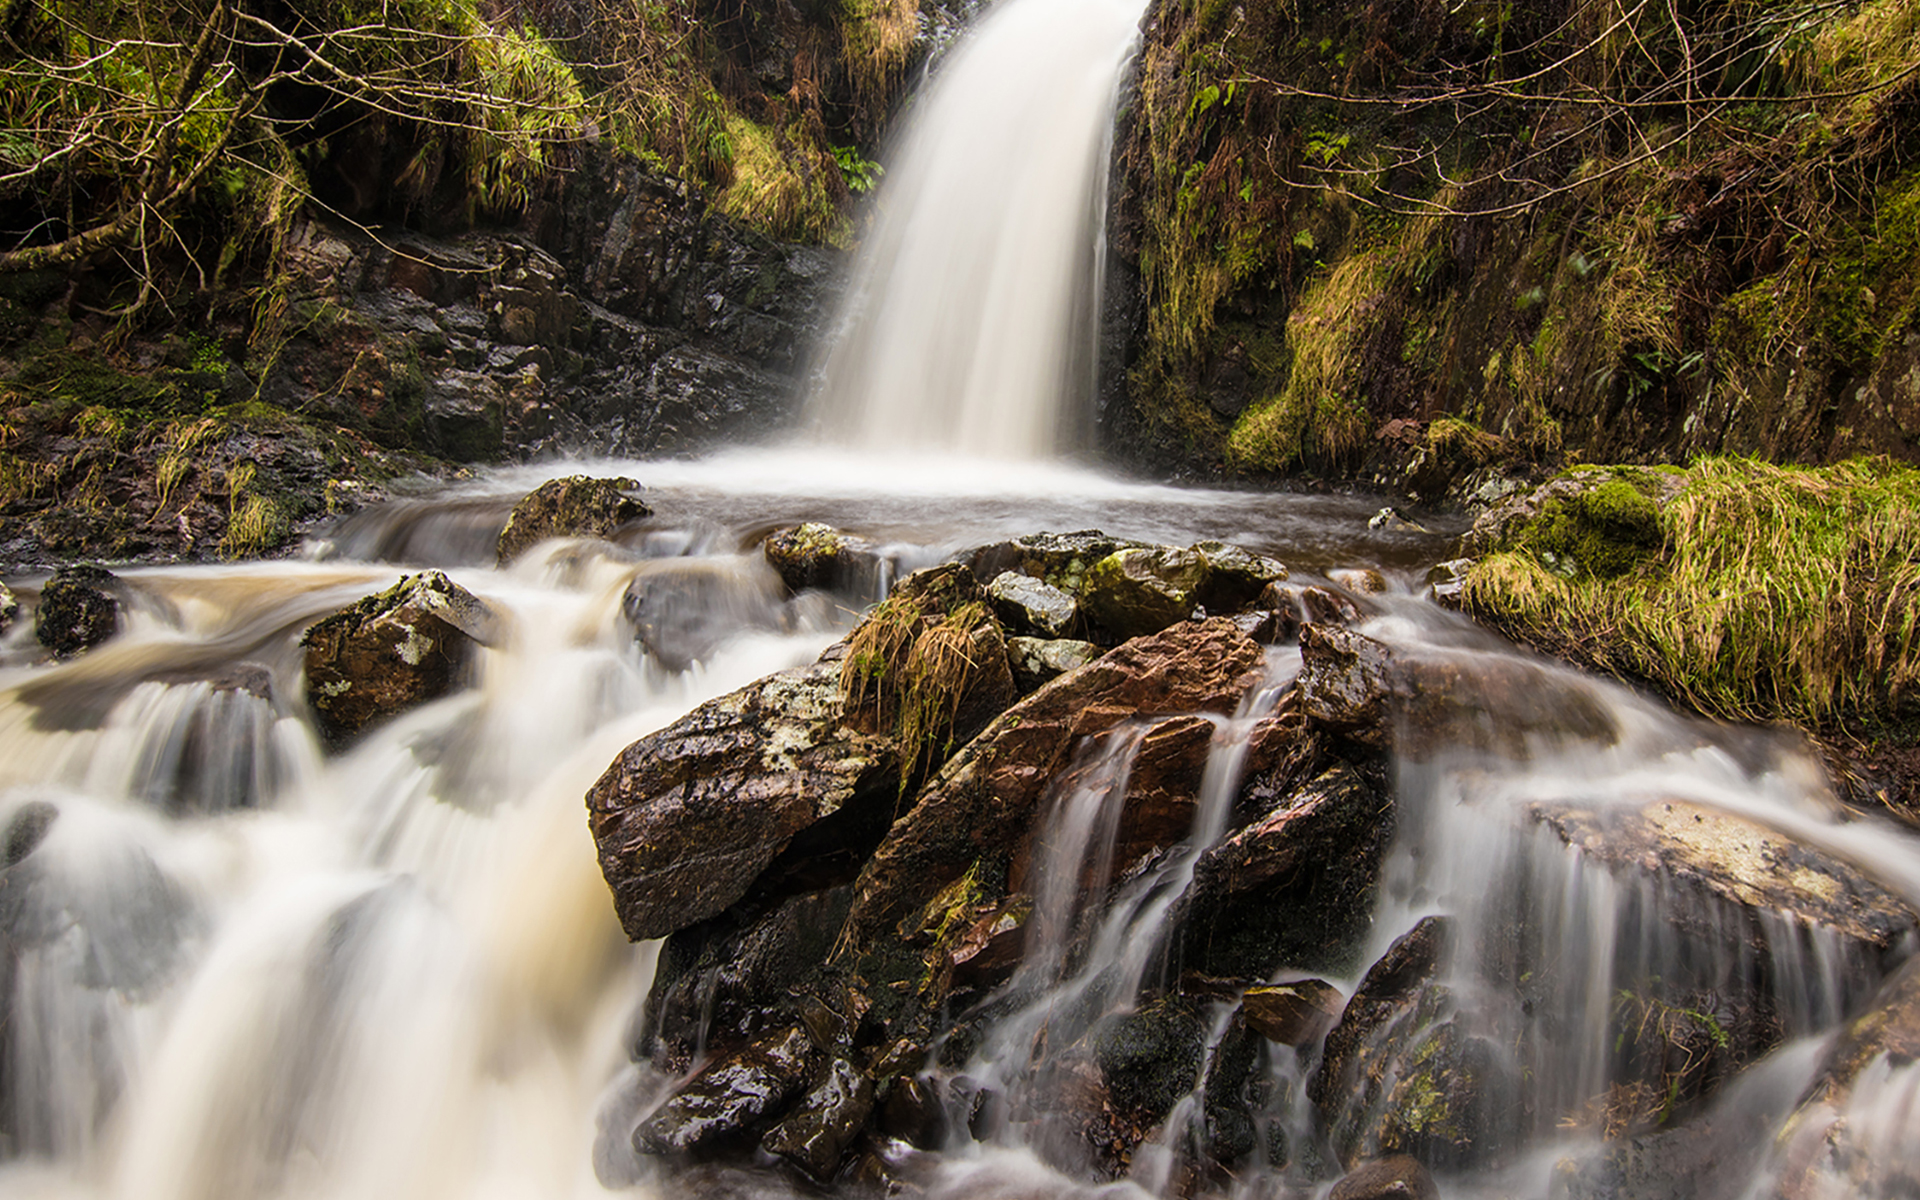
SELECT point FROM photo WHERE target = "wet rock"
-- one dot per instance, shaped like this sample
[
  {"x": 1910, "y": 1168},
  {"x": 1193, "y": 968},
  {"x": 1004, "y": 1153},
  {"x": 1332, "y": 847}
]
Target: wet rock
[
  {"x": 9, "y": 608},
  {"x": 575, "y": 506},
  {"x": 26, "y": 830},
  {"x": 1435, "y": 701},
  {"x": 1235, "y": 1089},
  {"x": 1363, "y": 581},
  {"x": 1132, "y": 593},
  {"x": 983, "y": 800},
  {"x": 1390, "y": 520},
  {"x": 1399, "y": 1177},
  {"x": 1268, "y": 627},
  {"x": 686, "y": 819},
  {"x": 1293, "y": 1014},
  {"x": 1234, "y": 577},
  {"x": 729, "y": 1097},
  {"x": 1447, "y": 579},
  {"x": 78, "y": 610},
  {"x": 1409, "y": 1070},
  {"x": 820, "y": 557},
  {"x": 1295, "y": 887},
  {"x": 1150, "y": 1058},
  {"x": 1036, "y": 662},
  {"x": 735, "y": 978},
  {"x": 1030, "y": 605},
  {"x": 818, "y": 1133},
  {"x": 1744, "y": 866},
  {"x": 1388, "y": 988},
  {"x": 1851, "y": 1134},
  {"x": 1060, "y": 560},
  {"x": 392, "y": 651},
  {"x": 682, "y": 610}
]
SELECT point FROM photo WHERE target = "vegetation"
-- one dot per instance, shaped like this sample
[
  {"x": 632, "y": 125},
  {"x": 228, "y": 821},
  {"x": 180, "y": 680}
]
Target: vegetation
[
  {"x": 1756, "y": 593},
  {"x": 1583, "y": 227}
]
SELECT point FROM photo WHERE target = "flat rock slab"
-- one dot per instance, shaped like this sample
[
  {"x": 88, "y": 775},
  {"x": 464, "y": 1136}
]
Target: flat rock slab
[
  {"x": 1738, "y": 861},
  {"x": 686, "y": 819}
]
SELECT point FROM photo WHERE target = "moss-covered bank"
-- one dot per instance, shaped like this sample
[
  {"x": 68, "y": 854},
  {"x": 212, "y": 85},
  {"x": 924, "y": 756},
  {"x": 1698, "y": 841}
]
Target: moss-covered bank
[{"x": 1584, "y": 229}]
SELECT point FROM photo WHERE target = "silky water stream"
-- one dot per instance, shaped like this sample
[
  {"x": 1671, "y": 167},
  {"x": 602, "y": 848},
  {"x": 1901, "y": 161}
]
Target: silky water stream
[{"x": 242, "y": 966}]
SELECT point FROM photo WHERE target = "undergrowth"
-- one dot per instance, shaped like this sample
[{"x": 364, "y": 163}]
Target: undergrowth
[
  {"x": 1777, "y": 594},
  {"x": 908, "y": 670}
]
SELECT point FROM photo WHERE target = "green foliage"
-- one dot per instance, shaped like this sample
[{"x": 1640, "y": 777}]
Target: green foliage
[
  {"x": 781, "y": 183},
  {"x": 1776, "y": 594}
]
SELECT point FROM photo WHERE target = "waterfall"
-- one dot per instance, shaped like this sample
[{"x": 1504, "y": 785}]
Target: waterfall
[{"x": 971, "y": 320}]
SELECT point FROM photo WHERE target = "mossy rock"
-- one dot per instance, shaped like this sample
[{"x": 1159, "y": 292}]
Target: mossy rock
[
  {"x": 78, "y": 610},
  {"x": 574, "y": 506},
  {"x": 1590, "y": 522},
  {"x": 1135, "y": 592}
]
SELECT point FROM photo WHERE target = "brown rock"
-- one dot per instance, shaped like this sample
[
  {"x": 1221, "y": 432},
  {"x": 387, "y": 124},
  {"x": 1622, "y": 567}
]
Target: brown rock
[
  {"x": 730, "y": 1095},
  {"x": 984, "y": 799},
  {"x": 1293, "y": 1014},
  {"x": 1399, "y": 1177},
  {"x": 393, "y": 651},
  {"x": 687, "y": 818},
  {"x": 575, "y": 506}
]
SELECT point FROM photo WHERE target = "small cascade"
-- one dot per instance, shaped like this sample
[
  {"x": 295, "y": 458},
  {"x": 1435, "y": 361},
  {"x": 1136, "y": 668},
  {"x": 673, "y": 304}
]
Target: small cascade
[
  {"x": 971, "y": 317},
  {"x": 1099, "y": 944}
]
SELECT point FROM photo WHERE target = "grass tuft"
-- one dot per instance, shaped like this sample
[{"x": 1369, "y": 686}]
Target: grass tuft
[{"x": 1778, "y": 594}]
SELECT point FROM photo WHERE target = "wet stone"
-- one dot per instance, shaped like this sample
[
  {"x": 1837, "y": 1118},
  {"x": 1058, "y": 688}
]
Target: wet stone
[
  {"x": 818, "y": 1133},
  {"x": 393, "y": 651},
  {"x": 682, "y": 612},
  {"x": 1132, "y": 593},
  {"x": 1293, "y": 1014},
  {"x": 814, "y": 556},
  {"x": 78, "y": 610},
  {"x": 1234, "y": 577},
  {"x": 1031, "y": 605},
  {"x": 575, "y": 506},
  {"x": 1398, "y": 1177},
  {"x": 1036, "y": 661},
  {"x": 729, "y": 1097}
]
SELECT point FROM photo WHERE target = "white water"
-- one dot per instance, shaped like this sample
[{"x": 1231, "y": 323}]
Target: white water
[{"x": 970, "y": 322}]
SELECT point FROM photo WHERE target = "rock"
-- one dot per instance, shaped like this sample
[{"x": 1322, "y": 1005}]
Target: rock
[
  {"x": 819, "y": 1132},
  {"x": 1363, "y": 581},
  {"x": 1293, "y": 1014},
  {"x": 1399, "y": 1177},
  {"x": 78, "y": 610},
  {"x": 1408, "y": 1070},
  {"x": 1060, "y": 560},
  {"x": 9, "y": 608},
  {"x": 1032, "y": 606},
  {"x": 1390, "y": 520},
  {"x": 1132, "y": 593},
  {"x": 29, "y": 826},
  {"x": 1150, "y": 1058},
  {"x": 820, "y": 557},
  {"x": 1599, "y": 520},
  {"x": 392, "y": 651},
  {"x": 1851, "y": 1133},
  {"x": 1388, "y": 987},
  {"x": 686, "y": 819},
  {"x": 1035, "y": 662},
  {"x": 575, "y": 506},
  {"x": 1295, "y": 887},
  {"x": 1268, "y": 627},
  {"x": 1431, "y": 700},
  {"x": 1743, "y": 867},
  {"x": 730, "y": 1096},
  {"x": 1447, "y": 579},
  {"x": 981, "y": 803},
  {"x": 1234, "y": 577},
  {"x": 734, "y": 978},
  {"x": 682, "y": 610}
]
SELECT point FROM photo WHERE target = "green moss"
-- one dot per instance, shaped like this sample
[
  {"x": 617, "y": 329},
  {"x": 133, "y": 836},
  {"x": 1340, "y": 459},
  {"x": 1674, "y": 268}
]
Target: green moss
[{"x": 1774, "y": 594}]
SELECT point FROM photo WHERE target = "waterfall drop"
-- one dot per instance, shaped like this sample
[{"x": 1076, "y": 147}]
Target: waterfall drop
[{"x": 970, "y": 321}]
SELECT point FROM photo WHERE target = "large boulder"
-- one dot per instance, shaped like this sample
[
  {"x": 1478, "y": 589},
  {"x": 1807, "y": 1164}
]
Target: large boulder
[
  {"x": 79, "y": 609},
  {"x": 984, "y": 800},
  {"x": 574, "y": 506},
  {"x": 392, "y": 651},
  {"x": 686, "y": 819},
  {"x": 730, "y": 1096}
]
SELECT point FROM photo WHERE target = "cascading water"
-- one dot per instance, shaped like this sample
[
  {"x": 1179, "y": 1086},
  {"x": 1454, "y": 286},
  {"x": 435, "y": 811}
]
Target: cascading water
[{"x": 970, "y": 321}]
